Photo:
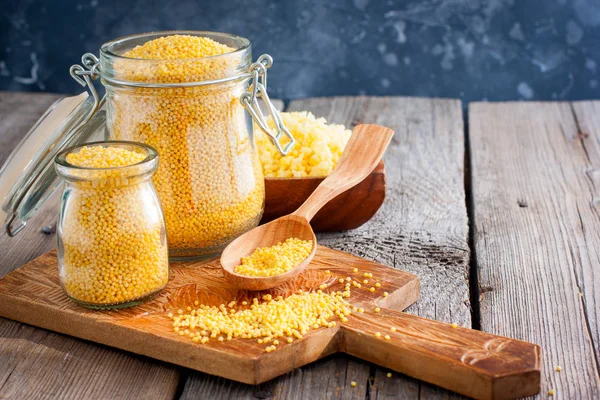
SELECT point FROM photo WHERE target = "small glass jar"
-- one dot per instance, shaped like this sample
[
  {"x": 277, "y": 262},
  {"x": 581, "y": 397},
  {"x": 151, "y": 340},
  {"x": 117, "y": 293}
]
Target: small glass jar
[
  {"x": 112, "y": 245},
  {"x": 210, "y": 179}
]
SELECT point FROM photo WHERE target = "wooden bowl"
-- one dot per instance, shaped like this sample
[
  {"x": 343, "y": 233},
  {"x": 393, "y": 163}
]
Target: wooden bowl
[{"x": 347, "y": 211}]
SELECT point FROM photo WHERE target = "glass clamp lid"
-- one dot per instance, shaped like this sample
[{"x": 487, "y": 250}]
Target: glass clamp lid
[{"x": 28, "y": 178}]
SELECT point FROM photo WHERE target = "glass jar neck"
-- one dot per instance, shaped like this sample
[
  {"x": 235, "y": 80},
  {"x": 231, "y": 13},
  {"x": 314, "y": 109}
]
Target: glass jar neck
[
  {"x": 114, "y": 176},
  {"x": 117, "y": 69}
]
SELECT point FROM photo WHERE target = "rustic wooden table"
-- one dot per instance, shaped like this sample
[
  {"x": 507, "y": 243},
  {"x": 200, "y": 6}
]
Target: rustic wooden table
[{"x": 499, "y": 217}]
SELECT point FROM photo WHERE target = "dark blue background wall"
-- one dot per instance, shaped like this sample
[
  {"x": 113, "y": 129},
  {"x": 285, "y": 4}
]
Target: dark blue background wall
[{"x": 471, "y": 49}]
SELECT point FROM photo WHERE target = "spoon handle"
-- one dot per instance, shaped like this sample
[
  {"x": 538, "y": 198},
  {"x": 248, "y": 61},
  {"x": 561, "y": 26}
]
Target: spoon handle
[{"x": 363, "y": 152}]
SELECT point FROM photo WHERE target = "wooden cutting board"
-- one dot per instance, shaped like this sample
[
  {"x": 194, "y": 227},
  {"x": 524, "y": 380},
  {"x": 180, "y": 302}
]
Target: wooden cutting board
[{"x": 470, "y": 362}]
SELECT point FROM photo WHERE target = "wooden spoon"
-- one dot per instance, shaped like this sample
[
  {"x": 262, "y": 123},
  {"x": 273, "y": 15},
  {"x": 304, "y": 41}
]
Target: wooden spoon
[{"x": 361, "y": 155}]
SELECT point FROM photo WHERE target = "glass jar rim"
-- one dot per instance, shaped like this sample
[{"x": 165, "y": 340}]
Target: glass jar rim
[
  {"x": 145, "y": 166},
  {"x": 109, "y": 58},
  {"x": 106, "y": 48}
]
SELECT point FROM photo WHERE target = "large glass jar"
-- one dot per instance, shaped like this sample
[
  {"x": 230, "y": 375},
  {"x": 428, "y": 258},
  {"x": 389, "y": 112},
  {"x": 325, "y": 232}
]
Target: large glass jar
[
  {"x": 210, "y": 180},
  {"x": 112, "y": 245}
]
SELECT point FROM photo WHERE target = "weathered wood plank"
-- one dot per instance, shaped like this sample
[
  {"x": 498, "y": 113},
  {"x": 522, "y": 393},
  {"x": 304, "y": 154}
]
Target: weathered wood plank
[
  {"x": 38, "y": 364},
  {"x": 421, "y": 228},
  {"x": 537, "y": 233},
  {"x": 587, "y": 117},
  {"x": 18, "y": 113}
]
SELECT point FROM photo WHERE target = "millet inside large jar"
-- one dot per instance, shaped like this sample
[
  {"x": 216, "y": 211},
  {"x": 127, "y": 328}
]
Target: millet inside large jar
[{"x": 209, "y": 180}]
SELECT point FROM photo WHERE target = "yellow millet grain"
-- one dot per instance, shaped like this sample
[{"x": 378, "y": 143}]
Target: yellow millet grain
[
  {"x": 113, "y": 248},
  {"x": 177, "y": 58},
  {"x": 175, "y": 47},
  {"x": 291, "y": 317},
  {"x": 104, "y": 157},
  {"x": 275, "y": 260},
  {"x": 209, "y": 180},
  {"x": 317, "y": 150}
]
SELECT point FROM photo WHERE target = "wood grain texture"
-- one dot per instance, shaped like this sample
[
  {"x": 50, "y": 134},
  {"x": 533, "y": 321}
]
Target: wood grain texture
[
  {"x": 18, "y": 113},
  {"x": 427, "y": 160},
  {"x": 349, "y": 210},
  {"x": 535, "y": 189},
  {"x": 471, "y": 362},
  {"x": 422, "y": 225},
  {"x": 467, "y": 361},
  {"x": 37, "y": 364},
  {"x": 32, "y": 294},
  {"x": 421, "y": 228}
]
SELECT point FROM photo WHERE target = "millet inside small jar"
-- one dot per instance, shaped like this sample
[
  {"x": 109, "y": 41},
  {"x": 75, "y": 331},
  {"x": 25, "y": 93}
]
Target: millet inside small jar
[{"x": 113, "y": 250}]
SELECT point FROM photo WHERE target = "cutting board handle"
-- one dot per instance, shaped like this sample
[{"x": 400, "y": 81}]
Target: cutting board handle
[{"x": 475, "y": 363}]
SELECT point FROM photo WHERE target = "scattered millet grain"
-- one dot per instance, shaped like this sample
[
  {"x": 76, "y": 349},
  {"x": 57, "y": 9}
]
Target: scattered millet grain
[
  {"x": 353, "y": 384},
  {"x": 290, "y": 317},
  {"x": 273, "y": 320},
  {"x": 113, "y": 251},
  {"x": 389, "y": 374}
]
